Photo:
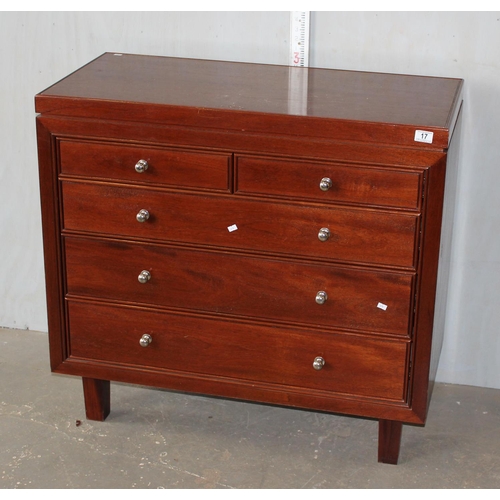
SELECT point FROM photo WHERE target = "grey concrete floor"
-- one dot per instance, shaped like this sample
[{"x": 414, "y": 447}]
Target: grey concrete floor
[{"x": 159, "y": 439}]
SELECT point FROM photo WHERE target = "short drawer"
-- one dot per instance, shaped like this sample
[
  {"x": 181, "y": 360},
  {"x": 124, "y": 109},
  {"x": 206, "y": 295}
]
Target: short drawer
[
  {"x": 354, "y": 235},
  {"x": 353, "y": 365},
  {"x": 341, "y": 183},
  {"x": 243, "y": 286},
  {"x": 170, "y": 167}
]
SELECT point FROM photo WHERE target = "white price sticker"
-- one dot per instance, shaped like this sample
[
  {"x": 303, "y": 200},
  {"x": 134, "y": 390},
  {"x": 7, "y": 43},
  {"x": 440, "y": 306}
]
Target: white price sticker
[
  {"x": 382, "y": 306},
  {"x": 232, "y": 228},
  {"x": 423, "y": 136}
]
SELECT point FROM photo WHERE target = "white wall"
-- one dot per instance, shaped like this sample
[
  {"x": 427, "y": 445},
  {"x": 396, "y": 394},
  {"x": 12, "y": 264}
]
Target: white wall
[
  {"x": 37, "y": 49},
  {"x": 454, "y": 44},
  {"x": 40, "y": 48}
]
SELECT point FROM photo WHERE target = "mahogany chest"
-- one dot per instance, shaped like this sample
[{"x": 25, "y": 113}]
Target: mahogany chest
[{"x": 267, "y": 233}]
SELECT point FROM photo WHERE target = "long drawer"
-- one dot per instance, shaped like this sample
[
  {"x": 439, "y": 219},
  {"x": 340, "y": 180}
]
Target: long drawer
[
  {"x": 328, "y": 182},
  {"x": 232, "y": 284},
  {"x": 355, "y": 235},
  {"x": 171, "y": 167},
  {"x": 353, "y": 364}
]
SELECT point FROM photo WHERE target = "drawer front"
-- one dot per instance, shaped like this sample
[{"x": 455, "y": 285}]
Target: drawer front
[
  {"x": 170, "y": 167},
  {"x": 223, "y": 283},
  {"x": 354, "y": 365},
  {"x": 349, "y": 184},
  {"x": 356, "y": 235}
]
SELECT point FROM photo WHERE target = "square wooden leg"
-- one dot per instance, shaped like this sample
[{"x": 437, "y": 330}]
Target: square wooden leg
[
  {"x": 389, "y": 441},
  {"x": 97, "y": 398}
]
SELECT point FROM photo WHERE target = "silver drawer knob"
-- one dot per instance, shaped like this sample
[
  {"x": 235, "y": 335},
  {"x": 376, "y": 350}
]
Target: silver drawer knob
[
  {"x": 318, "y": 363},
  {"x": 141, "y": 166},
  {"x": 321, "y": 297},
  {"x": 144, "y": 277},
  {"x": 325, "y": 184},
  {"x": 324, "y": 234},
  {"x": 146, "y": 339},
  {"x": 142, "y": 216}
]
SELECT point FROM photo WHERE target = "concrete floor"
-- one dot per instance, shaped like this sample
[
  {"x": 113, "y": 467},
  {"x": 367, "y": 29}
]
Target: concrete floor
[{"x": 158, "y": 439}]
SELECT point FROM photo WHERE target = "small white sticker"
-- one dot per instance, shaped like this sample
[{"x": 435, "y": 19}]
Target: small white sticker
[
  {"x": 424, "y": 136},
  {"x": 382, "y": 306},
  {"x": 232, "y": 228}
]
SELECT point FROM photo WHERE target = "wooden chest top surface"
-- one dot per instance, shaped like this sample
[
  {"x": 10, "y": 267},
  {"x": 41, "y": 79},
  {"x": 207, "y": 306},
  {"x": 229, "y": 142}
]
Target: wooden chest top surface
[{"x": 236, "y": 95}]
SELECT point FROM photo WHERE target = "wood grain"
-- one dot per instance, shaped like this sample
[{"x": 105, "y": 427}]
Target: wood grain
[
  {"x": 234, "y": 96},
  {"x": 376, "y": 186},
  {"x": 233, "y": 313},
  {"x": 97, "y": 395},
  {"x": 389, "y": 441},
  {"x": 170, "y": 167},
  {"x": 357, "y": 236},
  {"x": 354, "y": 365},
  {"x": 231, "y": 284}
]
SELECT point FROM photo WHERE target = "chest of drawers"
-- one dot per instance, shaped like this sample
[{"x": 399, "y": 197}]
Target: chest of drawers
[{"x": 266, "y": 233}]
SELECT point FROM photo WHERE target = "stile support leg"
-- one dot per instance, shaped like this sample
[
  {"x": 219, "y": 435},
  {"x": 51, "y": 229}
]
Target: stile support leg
[
  {"x": 97, "y": 398},
  {"x": 389, "y": 441}
]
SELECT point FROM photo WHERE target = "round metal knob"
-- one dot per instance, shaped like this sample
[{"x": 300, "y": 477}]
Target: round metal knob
[
  {"x": 321, "y": 297},
  {"x": 141, "y": 166},
  {"x": 318, "y": 363},
  {"x": 324, "y": 234},
  {"x": 142, "y": 216},
  {"x": 146, "y": 339},
  {"x": 325, "y": 184},
  {"x": 144, "y": 277}
]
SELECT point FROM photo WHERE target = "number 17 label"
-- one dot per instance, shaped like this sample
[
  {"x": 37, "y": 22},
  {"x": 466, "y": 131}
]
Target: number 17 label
[{"x": 424, "y": 136}]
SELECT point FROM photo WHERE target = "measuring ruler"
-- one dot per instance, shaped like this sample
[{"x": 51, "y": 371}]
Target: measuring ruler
[
  {"x": 299, "y": 38},
  {"x": 299, "y": 56}
]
